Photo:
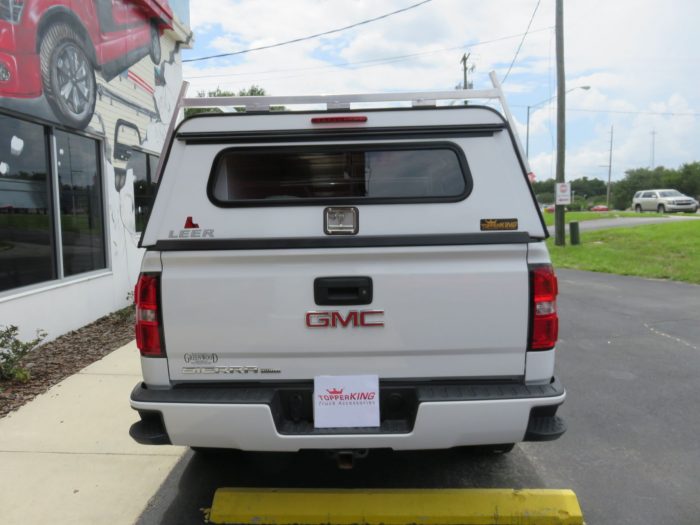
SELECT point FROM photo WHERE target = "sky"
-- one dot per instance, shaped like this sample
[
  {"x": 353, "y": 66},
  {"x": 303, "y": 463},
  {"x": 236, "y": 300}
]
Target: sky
[{"x": 640, "y": 59}]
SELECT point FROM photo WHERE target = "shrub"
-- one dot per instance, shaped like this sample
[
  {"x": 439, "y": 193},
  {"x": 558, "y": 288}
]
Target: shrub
[{"x": 12, "y": 350}]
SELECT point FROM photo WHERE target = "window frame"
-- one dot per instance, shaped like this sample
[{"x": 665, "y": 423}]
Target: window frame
[
  {"x": 150, "y": 175},
  {"x": 342, "y": 148},
  {"x": 60, "y": 279}
]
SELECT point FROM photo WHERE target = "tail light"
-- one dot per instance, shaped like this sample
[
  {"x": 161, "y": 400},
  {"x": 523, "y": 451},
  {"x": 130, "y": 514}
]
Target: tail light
[
  {"x": 146, "y": 296},
  {"x": 545, "y": 321}
]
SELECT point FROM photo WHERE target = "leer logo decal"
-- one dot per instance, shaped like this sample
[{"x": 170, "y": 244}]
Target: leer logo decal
[{"x": 191, "y": 234}]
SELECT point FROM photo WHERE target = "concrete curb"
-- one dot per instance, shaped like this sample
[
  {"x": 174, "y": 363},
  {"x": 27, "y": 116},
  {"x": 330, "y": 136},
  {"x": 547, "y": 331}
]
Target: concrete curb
[
  {"x": 396, "y": 506},
  {"x": 67, "y": 457}
]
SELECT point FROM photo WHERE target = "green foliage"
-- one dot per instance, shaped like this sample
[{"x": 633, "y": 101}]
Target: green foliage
[
  {"x": 126, "y": 314},
  {"x": 545, "y": 197},
  {"x": 588, "y": 188},
  {"x": 12, "y": 350},
  {"x": 586, "y": 191},
  {"x": 685, "y": 179},
  {"x": 544, "y": 186},
  {"x": 581, "y": 216},
  {"x": 252, "y": 91},
  {"x": 663, "y": 251}
]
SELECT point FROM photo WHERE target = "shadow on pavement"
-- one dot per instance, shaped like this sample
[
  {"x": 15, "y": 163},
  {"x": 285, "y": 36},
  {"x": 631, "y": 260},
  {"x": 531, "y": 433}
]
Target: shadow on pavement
[{"x": 192, "y": 483}]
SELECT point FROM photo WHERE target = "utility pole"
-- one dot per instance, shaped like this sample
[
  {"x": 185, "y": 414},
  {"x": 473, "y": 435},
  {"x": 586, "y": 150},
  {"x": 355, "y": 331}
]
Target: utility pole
[
  {"x": 610, "y": 165},
  {"x": 653, "y": 144},
  {"x": 465, "y": 57},
  {"x": 559, "y": 232}
]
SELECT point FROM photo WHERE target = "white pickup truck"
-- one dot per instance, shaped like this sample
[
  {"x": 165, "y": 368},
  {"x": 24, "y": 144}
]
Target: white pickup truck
[{"x": 346, "y": 279}]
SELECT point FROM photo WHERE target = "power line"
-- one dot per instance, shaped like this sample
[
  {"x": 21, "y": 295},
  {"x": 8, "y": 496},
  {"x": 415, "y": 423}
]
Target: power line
[
  {"x": 389, "y": 59},
  {"x": 309, "y": 37},
  {"x": 629, "y": 112},
  {"x": 660, "y": 113},
  {"x": 521, "y": 42}
]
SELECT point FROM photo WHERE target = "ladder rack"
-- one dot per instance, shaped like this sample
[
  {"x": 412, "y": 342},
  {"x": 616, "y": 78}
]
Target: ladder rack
[
  {"x": 339, "y": 102},
  {"x": 344, "y": 102}
]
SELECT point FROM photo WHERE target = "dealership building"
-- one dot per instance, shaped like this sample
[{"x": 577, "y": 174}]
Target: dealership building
[{"x": 87, "y": 91}]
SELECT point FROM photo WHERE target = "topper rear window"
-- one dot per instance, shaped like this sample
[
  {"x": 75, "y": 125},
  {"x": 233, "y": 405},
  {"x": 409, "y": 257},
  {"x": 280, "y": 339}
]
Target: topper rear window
[{"x": 325, "y": 174}]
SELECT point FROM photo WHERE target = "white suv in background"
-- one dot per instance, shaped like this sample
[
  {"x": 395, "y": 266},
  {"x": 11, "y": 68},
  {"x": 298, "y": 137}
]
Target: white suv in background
[{"x": 663, "y": 201}]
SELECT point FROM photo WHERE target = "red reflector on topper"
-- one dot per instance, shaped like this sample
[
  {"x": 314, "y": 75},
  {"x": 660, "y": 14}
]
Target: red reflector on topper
[
  {"x": 338, "y": 120},
  {"x": 190, "y": 224},
  {"x": 545, "y": 321}
]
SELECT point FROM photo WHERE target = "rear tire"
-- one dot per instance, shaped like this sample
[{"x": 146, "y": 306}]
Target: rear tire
[
  {"x": 67, "y": 76},
  {"x": 661, "y": 208}
]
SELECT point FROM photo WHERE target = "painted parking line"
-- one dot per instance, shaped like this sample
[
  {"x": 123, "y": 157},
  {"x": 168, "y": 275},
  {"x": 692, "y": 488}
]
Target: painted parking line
[{"x": 395, "y": 507}]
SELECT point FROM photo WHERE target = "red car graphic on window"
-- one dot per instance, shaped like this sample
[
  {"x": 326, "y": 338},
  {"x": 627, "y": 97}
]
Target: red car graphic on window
[{"x": 54, "y": 48}]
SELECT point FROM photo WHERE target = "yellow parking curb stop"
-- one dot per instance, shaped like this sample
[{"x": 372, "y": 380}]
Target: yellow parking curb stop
[{"x": 395, "y": 507}]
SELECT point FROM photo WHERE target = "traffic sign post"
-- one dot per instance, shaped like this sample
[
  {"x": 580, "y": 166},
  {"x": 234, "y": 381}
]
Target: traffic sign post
[{"x": 562, "y": 190}]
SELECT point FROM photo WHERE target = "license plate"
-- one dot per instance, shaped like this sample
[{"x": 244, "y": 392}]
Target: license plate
[{"x": 346, "y": 401}]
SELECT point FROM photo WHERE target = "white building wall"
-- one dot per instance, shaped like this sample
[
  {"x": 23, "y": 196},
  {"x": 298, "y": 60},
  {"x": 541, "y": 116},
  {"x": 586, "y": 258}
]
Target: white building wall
[{"x": 62, "y": 305}]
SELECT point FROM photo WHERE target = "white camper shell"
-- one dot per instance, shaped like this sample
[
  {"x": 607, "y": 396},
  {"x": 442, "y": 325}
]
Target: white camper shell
[{"x": 362, "y": 242}]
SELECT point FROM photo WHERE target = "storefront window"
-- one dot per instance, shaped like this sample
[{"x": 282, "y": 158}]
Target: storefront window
[
  {"x": 82, "y": 218},
  {"x": 26, "y": 239}
]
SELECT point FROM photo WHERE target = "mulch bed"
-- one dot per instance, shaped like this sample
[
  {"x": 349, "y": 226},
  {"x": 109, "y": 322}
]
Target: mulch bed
[{"x": 52, "y": 362}]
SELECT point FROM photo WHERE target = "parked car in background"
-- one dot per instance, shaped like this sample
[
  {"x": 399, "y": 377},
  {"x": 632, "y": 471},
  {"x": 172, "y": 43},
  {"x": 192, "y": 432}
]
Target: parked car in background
[
  {"x": 600, "y": 207},
  {"x": 663, "y": 201}
]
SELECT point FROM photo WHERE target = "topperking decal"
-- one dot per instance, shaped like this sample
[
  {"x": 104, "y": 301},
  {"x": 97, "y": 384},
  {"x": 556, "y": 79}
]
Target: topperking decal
[{"x": 498, "y": 224}]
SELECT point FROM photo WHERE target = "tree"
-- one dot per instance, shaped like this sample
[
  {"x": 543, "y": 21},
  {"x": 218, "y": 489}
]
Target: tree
[{"x": 252, "y": 91}]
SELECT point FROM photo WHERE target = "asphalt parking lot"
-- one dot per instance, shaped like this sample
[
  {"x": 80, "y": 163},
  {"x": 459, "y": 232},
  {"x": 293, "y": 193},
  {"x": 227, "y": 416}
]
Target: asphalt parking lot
[{"x": 629, "y": 356}]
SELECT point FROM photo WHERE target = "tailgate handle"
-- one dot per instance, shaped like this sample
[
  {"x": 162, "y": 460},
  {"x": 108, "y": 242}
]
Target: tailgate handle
[{"x": 342, "y": 290}]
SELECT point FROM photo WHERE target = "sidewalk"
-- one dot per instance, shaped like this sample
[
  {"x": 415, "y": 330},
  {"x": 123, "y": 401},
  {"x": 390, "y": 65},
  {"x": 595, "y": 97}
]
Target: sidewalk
[{"x": 66, "y": 457}]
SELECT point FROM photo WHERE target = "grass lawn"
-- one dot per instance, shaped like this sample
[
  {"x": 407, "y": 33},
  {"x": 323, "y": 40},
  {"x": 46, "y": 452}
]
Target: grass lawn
[
  {"x": 665, "y": 251},
  {"x": 581, "y": 216}
]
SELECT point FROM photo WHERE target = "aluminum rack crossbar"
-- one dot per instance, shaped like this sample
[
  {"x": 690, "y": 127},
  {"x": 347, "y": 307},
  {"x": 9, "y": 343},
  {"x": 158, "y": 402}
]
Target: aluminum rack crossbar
[
  {"x": 340, "y": 101},
  {"x": 343, "y": 102}
]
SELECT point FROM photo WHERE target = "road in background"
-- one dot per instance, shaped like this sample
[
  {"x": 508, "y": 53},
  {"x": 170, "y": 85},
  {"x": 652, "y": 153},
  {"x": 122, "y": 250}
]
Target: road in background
[{"x": 629, "y": 357}]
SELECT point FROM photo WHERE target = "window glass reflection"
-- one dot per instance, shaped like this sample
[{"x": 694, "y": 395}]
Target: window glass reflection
[
  {"x": 82, "y": 228},
  {"x": 26, "y": 240}
]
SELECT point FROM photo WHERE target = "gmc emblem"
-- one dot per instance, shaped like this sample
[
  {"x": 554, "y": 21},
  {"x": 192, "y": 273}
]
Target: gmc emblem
[{"x": 354, "y": 318}]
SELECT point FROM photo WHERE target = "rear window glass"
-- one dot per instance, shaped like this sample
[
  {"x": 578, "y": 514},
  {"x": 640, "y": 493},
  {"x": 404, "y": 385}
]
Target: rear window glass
[{"x": 351, "y": 173}]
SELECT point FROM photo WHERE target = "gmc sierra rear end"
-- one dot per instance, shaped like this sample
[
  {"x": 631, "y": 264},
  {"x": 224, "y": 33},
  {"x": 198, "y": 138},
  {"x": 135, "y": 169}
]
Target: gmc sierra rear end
[{"x": 350, "y": 279}]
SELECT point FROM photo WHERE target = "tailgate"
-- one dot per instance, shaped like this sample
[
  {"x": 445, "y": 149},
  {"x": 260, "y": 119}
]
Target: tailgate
[{"x": 447, "y": 311}]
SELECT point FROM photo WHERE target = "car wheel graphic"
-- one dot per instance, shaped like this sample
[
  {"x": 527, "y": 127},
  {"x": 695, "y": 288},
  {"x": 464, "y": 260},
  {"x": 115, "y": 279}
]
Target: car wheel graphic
[
  {"x": 155, "y": 44},
  {"x": 68, "y": 76}
]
